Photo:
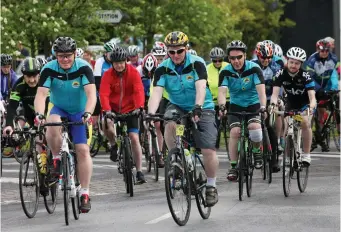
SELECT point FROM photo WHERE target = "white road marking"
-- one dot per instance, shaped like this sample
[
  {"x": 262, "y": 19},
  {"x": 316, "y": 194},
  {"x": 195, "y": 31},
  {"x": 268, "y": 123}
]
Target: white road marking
[{"x": 156, "y": 220}]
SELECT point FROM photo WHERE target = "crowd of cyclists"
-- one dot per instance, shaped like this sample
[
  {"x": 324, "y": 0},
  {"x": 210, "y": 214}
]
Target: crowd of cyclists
[{"x": 172, "y": 78}]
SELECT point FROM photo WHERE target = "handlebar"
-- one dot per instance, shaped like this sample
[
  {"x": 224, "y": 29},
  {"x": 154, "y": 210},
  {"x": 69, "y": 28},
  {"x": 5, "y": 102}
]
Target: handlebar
[{"x": 66, "y": 123}]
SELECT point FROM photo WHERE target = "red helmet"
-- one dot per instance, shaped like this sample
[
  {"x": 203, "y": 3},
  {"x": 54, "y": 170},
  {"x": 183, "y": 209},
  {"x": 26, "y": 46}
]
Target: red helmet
[
  {"x": 322, "y": 45},
  {"x": 149, "y": 64},
  {"x": 264, "y": 50}
]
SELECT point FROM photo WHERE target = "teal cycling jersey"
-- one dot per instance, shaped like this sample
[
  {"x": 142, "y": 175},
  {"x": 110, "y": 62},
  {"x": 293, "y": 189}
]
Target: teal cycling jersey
[
  {"x": 179, "y": 81},
  {"x": 242, "y": 85},
  {"x": 67, "y": 87}
]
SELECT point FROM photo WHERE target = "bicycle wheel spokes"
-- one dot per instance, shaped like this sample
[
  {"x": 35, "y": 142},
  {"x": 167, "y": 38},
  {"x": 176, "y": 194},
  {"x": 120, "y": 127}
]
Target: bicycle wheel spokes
[
  {"x": 302, "y": 177},
  {"x": 29, "y": 185},
  {"x": 288, "y": 168},
  {"x": 200, "y": 180},
  {"x": 178, "y": 189}
]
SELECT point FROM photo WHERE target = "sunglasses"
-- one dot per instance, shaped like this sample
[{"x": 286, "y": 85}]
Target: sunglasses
[
  {"x": 179, "y": 51},
  {"x": 217, "y": 61},
  {"x": 65, "y": 56},
  {"x": 236, "y": 57},
  {"x": 266, "y": 57}
]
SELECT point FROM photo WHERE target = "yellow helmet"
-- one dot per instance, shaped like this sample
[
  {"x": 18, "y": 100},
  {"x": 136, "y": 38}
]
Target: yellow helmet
[{"x": 176, "y": 38}]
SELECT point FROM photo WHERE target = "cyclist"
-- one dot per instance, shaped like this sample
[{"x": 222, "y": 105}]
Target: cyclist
[
  {"x": 8, "y": 76},
  {"x": 217, "y": 56},
  {"x": 276, "y": 58},
  {"x": 184, "y": 77},
  {"x": 331, "y": 41},
  {"x": 102, "y": 64},
  {"x": 269, "y": 68},
  {"x": 24, "y": 91},
  {"x": 133, "y": 56},
  {"x": 247, "y": 93},
  {"x": 71, "y": 84},
  {"x": 159, "y": 51},
  {"x": 88, "y": 57},
  {"x": 322, "y": 65},
  {"x": 299, "y": 86},
  {"x": 122, "y": 92},
  {"x": 279, "y": 52}
]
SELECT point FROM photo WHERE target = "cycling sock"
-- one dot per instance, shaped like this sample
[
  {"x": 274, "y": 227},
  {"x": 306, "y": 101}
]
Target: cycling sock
[
  {"x": 211, "y": 181},
  {"x": 233, "y": 164},
  {"x": 84, "y": 191}
]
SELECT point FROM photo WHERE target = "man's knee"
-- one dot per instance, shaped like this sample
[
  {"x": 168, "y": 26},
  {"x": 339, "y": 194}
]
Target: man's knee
[
  {"x": 134, "y": 138},
  {"x": 235, "y": 132},
  {"x": 82, "y": 150}
]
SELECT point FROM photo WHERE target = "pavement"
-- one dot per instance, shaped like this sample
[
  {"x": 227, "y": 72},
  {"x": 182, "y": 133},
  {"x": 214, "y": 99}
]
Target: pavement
[{"x": 317, "y": 209}]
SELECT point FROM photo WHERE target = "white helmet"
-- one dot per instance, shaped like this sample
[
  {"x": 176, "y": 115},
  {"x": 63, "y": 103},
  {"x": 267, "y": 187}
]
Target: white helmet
[
  {"x": 297, "y": 54},
  {"x": 278, "y": 51},
  {"x": 159, "y": 49},
  {"x": 79, "y": 53},
  {"x": 192, "y": 52},
  {"x": 133, "y": 50}
]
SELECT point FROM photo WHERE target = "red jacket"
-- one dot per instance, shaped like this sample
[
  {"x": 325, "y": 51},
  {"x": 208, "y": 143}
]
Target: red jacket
[{"x": 121, "y": 94}]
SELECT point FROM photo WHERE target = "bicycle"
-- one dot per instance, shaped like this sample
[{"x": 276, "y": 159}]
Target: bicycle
[
  {"x": 245, "y": 164},
  {"x": 223, "y": 128},
  {"x": 41, "y": 180},
  {"x": 329, "y": 128},
  {"x": 153, "y": 154},
  {"x": 98, "y": 139},
  {"x": 126, "y": 161},
  {"x": 68, "y": 178},
  {"x": 292, "y": 160},
  {"x": 185, "y": 172}
]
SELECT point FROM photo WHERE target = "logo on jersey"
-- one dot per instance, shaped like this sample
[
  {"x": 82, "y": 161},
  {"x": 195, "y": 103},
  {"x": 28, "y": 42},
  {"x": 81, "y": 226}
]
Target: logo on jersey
[
  {"x": 246, "y": 80},
  {"x": 75, "y": 84},
  {"x": 286, "y": 83},
  {"x": 295, "y": 92},
  {"x": 189, "y": 78}
]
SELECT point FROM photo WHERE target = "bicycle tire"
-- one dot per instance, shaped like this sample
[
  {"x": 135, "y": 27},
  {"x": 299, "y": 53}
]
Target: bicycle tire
[
  {"x": 249, "y": 172},
  {"x": 156, "y": 155},
  {"x": 148, "y": 155},
  {"x": 334, "y": 133},
  {"x": 53, "y": 192},
  {"x": 128, "y": 166},
  {"x": 241, "y": 172},
  {"x": 96, "y": 142},
  {"x": 288, "y": 170},
  {"x": 226, "y": 139},
  {"x": 28, "y": 159},
  {"x": 75, "y": 201},
  {"x": 169, "y": 185},
  {"x": 66, "y": 194},
  {"x": 125, "y": 173},
  {"x": 200, "y": 180},
  {"x": 302, "y": 178},
  {"x": 16, "y": 155}
]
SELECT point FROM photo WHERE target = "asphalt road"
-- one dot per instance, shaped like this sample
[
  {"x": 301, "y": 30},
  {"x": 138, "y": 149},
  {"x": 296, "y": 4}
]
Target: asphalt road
[{"x": 317, "y": 209}]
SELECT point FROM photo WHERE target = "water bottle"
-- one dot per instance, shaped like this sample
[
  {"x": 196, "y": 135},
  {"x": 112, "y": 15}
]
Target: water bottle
[
  {"x": 188, "y": 157},
  {"x": 42, "y": 157}
]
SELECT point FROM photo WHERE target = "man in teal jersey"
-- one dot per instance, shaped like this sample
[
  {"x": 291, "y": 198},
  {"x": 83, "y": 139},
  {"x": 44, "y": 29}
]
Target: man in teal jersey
[
  {"x": 73, "y": 94},
  {"x": 184, "y": 77}
]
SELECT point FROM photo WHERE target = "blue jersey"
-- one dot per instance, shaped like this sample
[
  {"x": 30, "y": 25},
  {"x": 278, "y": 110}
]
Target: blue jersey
[
  {"x": 269, "y": 73},
  {"x": 278, "y": 60},
  {"x": 242, "y": 86},
  {"x": 179, "y": 81},
  {"x": 323, "y": 71},
  {"x": 7, "y": 82},
  {"x": 146, "y": 85},
  {"x": 67, "y": 87}
]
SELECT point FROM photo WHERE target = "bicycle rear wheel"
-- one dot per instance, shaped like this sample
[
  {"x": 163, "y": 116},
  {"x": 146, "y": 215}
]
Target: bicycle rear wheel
[
  {"x": 288, "y": 169},
  {"x": 128, "y": 166},
  {"x": 29, "y": 185},
  {"x": 241, "y": 169},
  {"x": 250, "y": 168},
  {"x": 66, "y": 186},
  {"x": 177, "y": 185},
  {"x": 200, "y": 180},
  {"x": 156, "y": 155}
]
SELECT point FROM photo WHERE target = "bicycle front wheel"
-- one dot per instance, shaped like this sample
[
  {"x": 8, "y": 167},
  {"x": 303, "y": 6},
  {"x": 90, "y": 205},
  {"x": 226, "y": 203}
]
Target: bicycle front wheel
[
  {"x": 335, "y": 133},
  {"x": 249, "y": 171},
  {"x": 75, "y": 201},
  {"x": 128, "y": 166},
  {"x": 200, "y": 180},
  {"x": 302, "y": 177},
  {"x": 156, "y": 155},
  {"x": 241, "y": 169},
  {"x": 178, "y": 187},
  {"x": 288, "y": 169},
  {"x": 29, "y": 185},
  {"x": 66, "y": 186}
]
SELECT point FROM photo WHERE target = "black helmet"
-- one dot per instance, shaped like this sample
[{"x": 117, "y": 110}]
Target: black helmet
[
  {"x": 118, "y": 54},
  {"x": 6, "y": 59},
  {"x": 31, "y": 66},
  {"x": 217, "y": 52},
  {"x": 236, "y": 45},
  {"x": 64, "y": 44}
]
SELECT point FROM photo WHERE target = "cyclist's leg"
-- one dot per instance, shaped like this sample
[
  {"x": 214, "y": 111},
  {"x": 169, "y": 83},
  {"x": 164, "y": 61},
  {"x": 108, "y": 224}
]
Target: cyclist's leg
[
  {"x": 84, "y": 161},
  {"x": 158, "y": 125},
  {"x": 96, "y": 113},
  {"x": 256, "y": 136},
  {"x": 170, "y": 127},
  {"x": 109, "y": 132},
  {"x": 53, "y": 135}
]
